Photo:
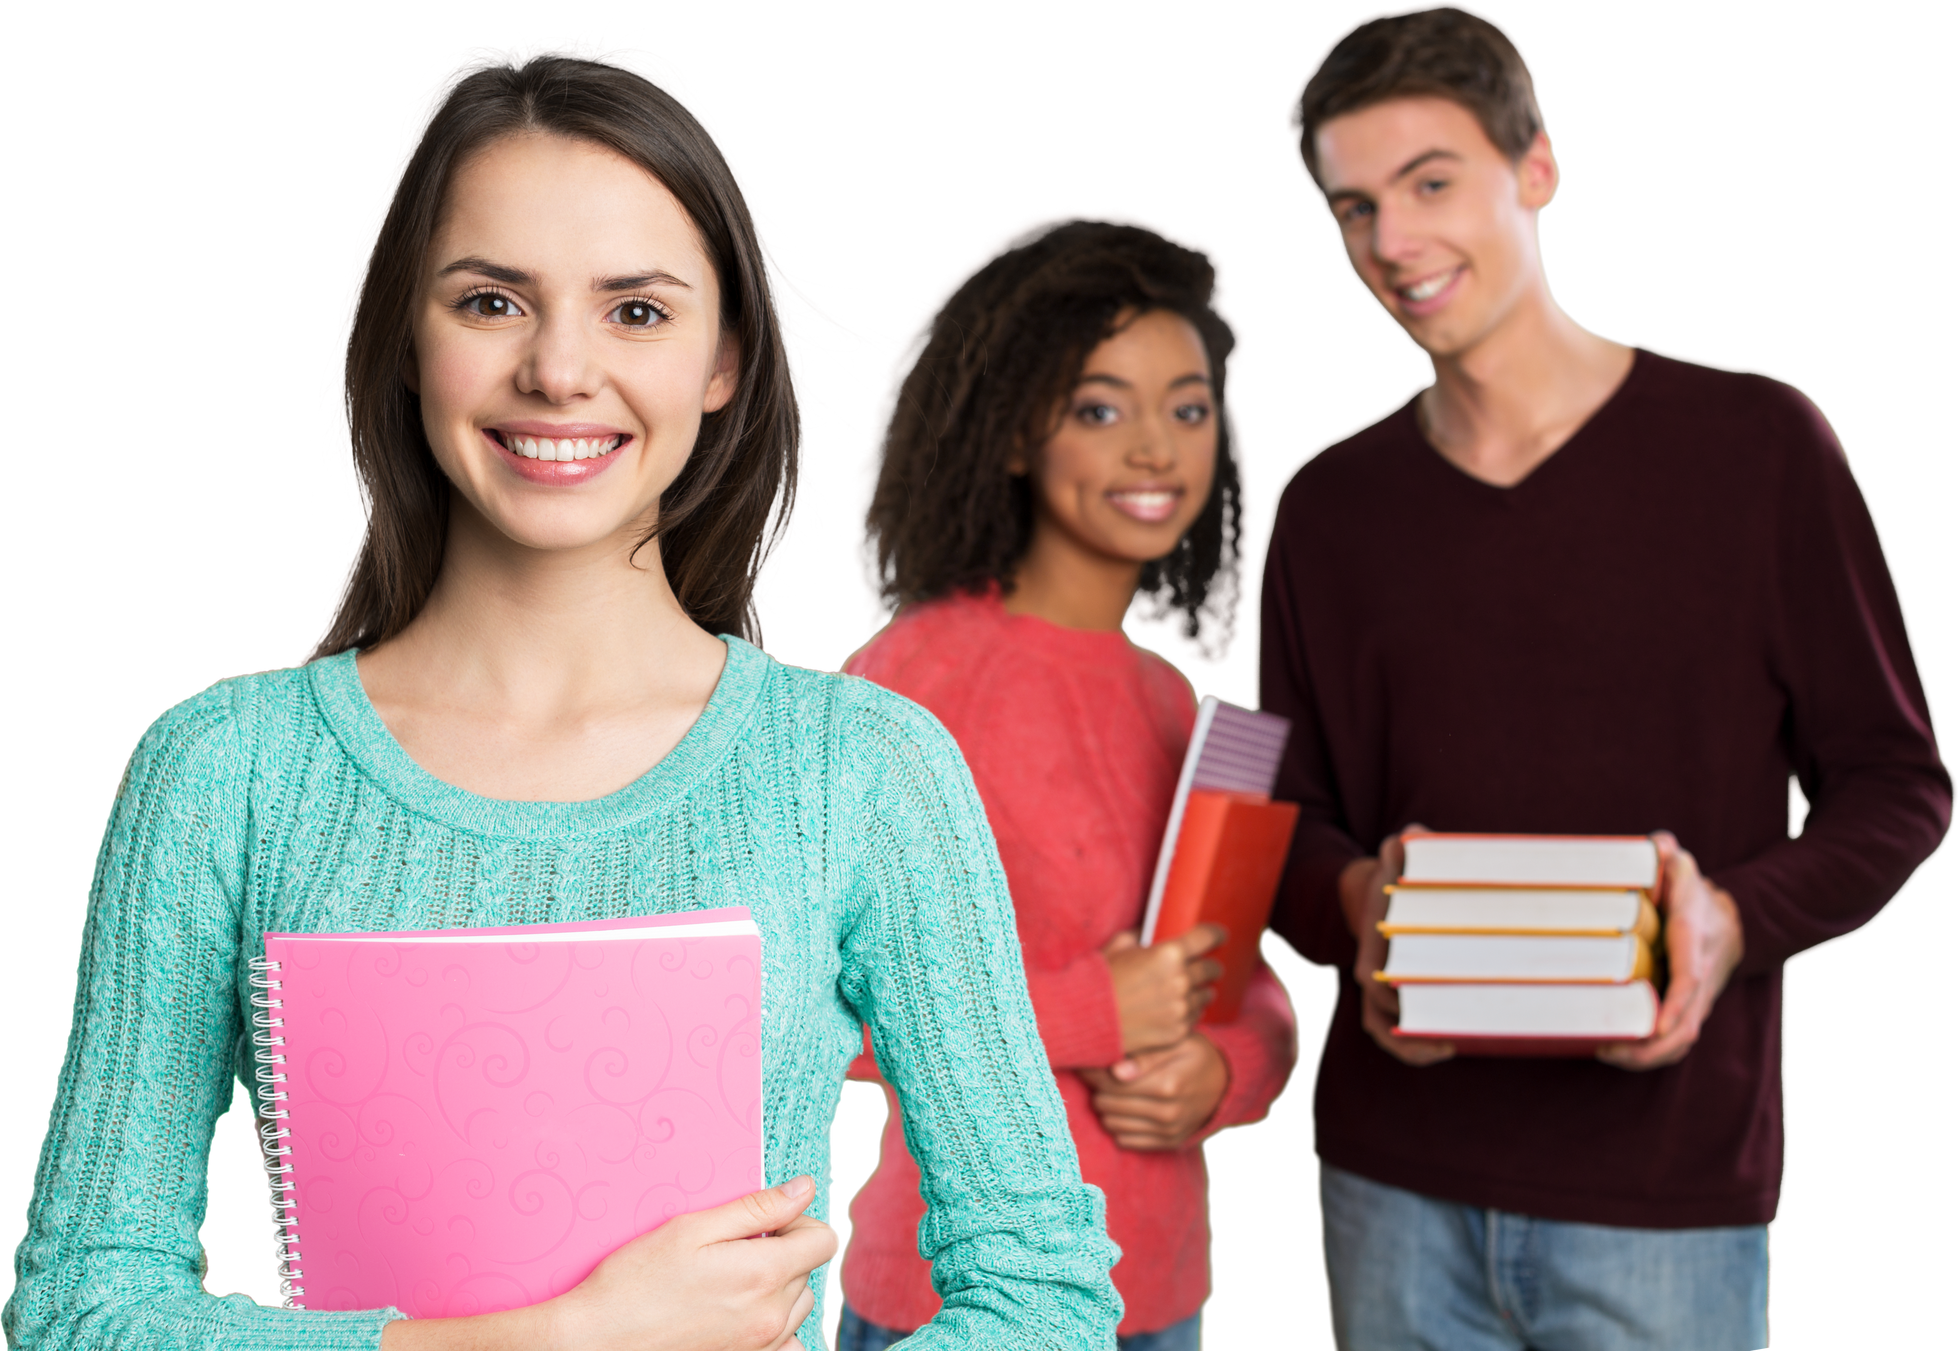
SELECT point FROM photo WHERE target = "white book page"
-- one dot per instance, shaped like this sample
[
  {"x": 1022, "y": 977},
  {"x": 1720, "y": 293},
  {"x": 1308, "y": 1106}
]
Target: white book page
[
  {"x": 1496, "y": 909},
  {"x": 1546, "y": 860},
  {"x": 1510, "y": 957},
  {"x": 1529, "y": 1010}
]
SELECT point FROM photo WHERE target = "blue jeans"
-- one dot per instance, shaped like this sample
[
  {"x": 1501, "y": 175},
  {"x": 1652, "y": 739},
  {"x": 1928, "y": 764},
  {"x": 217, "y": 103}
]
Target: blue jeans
[
  {"x": 1409, "y": 1273},
  {"x": 854, "y": 1334}
]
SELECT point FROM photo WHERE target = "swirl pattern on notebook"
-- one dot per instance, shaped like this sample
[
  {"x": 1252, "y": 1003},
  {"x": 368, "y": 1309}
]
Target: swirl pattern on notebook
[{"x": 476, "y": 1118}]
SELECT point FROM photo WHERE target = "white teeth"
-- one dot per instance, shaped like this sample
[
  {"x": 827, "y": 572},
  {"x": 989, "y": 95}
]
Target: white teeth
[
  {"x": 1425, "y": 290},
  {"x": 561, "y": 450}
]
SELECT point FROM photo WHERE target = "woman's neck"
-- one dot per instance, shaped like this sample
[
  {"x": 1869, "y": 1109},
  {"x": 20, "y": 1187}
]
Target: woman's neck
[
  {"x": 544, "y": 675},
  {"x": 1060, "y": 581}
]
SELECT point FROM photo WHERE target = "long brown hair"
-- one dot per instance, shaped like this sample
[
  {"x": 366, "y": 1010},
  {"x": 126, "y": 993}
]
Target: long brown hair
[
  {"x": 714, "y": 524},
  {"x": 947, "y": 514}
]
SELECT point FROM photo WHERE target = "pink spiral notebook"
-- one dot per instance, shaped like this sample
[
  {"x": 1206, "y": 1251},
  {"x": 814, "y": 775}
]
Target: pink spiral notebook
[{"x": 469, "y": 1120}]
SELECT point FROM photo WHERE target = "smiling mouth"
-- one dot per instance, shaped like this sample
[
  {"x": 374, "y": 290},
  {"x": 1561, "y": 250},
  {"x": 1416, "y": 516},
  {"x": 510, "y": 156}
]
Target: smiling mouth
[
  {"x": 560, "y": 448},
  {"x": 1428, "y": 287},
  {"x": 1149, "y": 505}
]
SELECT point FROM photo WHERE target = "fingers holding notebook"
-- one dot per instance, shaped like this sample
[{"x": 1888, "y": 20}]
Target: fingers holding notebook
[
  {"x": 736, "y": 1275},
  {"x": 1161, "y": 990}
]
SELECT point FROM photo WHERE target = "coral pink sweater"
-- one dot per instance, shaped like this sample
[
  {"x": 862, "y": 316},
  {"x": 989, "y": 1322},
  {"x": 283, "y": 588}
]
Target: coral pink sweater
[{"x": 1074, "y": 739}]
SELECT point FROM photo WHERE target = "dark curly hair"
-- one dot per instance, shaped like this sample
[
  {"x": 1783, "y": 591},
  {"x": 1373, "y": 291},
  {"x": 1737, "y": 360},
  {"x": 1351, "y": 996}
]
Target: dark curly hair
[{"x": 998, "y": 361}]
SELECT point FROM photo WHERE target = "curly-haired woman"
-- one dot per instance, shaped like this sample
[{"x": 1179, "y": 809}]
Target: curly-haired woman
[{"x": 1059, "y": 447}]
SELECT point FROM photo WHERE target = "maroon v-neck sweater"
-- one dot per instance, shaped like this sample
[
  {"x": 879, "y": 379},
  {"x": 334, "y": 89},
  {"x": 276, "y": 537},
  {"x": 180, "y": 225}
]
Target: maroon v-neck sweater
[{"x": 1680, "y": 609}]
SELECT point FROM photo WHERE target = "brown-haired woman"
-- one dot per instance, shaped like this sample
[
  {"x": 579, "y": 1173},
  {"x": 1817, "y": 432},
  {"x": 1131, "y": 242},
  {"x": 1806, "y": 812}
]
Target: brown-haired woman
[
  {"x": 1061, "y": 447},
  {"x": 573, "y": 419}
]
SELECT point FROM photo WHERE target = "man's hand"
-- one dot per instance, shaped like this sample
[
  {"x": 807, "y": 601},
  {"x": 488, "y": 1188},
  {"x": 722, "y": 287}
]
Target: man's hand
[
  {"x": 1703, "y": 947},
  {"x": 1364, "y": 901},
  {"x": 1161, "y": 989},
  {"x": 1159, "y": 1099}
]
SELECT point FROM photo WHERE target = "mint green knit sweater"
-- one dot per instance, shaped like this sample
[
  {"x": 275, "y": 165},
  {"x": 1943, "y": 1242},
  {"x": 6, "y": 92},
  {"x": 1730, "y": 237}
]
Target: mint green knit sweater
[{"x": 841, "y": 815}]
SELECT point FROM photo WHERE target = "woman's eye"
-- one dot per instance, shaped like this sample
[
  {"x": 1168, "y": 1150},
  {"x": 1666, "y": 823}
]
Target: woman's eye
[
  {"x": 1193, "y": 413},
  {"x": 637, "y": 314},
  {"x": 489, "y": 305},
  {"x": 1096, "y": 414},
  {"x": 1434, "y": 185},
  {"x": 1356, "y": 212}
]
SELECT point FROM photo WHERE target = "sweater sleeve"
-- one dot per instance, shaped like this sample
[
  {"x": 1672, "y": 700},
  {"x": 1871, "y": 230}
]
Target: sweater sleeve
[
  {"x": 1306, "y": 912},
  {"x": 112, "y": 1257},
  {"x": 1019, "y": 1251},
  {"x": 1860, "y": 732},
  {"x": 1075, "y": 1009},
  {"x": 1259, "y": 1047}
]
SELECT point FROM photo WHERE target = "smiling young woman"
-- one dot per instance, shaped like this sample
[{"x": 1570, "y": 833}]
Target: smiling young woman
[
  {"x": 1061, "y": 446},
  {"x": 573, "y": 420}
]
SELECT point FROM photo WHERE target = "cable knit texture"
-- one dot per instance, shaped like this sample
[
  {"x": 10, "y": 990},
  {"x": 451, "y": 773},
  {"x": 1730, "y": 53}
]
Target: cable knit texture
[
  {"x": 1075, "y": 739},
  {"x": 841, "y": 815}
]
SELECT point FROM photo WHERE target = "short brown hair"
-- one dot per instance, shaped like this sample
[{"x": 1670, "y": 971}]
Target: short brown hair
[
  {"x": 948, "y": 514},
  {"x": 1437, "y": 53},
  {"x": 714, "y": 524}
]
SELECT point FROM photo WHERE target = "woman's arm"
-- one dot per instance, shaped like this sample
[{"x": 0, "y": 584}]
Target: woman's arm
[
  {"x": 734, "y": 1278},
  {"x": 1219, "y": 1076},
  {"x": 1017, "y": 1242},
  {"x": 111, "y": 1257},
  {"x": 1259, "y": 1047}
]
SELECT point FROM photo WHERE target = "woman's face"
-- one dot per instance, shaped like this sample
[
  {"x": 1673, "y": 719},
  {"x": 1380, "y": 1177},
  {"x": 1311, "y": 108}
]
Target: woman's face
[
  {"x": 567, "y": 342},
  {"x": 1130, "y": 465}
]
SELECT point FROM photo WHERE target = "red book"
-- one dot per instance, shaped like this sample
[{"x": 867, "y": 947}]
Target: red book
[
  {"x": 1226, "y": 843},
  {"x": 1225, "y": 871}
]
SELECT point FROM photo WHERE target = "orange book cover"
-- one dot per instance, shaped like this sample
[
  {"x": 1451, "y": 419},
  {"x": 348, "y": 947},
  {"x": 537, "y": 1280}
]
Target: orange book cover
[{"x": 1231, "y": 849}]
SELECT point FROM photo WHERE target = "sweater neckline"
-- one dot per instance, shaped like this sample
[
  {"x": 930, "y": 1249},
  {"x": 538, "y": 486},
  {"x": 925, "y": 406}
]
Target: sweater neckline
[
  {"x": 1104, "y": 645},
  {"x": 354, "y": 723},
  {"x": 1581, "y": 437}
]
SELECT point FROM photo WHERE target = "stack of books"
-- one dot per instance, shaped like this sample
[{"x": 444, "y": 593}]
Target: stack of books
[{"x": 1524, "y": 944}]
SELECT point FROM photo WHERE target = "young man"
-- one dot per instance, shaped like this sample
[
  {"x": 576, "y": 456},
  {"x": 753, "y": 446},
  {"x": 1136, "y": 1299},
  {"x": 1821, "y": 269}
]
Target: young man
[{"x": 1570, "y": 587}]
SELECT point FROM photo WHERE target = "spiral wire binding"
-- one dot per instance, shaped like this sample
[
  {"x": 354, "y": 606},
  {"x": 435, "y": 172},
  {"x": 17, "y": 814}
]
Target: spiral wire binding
[{"x": 269, "y": 1050}]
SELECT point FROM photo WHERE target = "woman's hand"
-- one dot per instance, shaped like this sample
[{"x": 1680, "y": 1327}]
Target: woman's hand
[
  {"x": 734, "y": 1278},
  {"x": 1364, "y": 902},
  {"x": 1159, "y": 1099},
  {"x": 1161, "y": 989}
]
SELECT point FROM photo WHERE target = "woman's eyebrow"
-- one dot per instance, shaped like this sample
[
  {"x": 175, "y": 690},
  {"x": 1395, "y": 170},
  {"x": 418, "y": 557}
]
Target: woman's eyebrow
[
  {"x": 513, "y": 276},
  {"x": 509, "y": 276},
  {"x": 638, "y": 280},
  {"x": 1117, "y": 382}
]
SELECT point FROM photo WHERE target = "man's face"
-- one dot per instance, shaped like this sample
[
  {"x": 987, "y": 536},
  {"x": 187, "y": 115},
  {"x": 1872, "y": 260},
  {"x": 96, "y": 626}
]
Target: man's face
[{"x": 1437, "y": 221}]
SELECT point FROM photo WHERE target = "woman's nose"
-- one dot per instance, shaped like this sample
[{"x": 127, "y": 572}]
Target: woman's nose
[{"x": 559, "y": 365}]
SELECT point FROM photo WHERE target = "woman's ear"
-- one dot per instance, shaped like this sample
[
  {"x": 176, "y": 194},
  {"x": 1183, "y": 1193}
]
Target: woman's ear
[
  {"x": 411, "y": 371},
  {"x": 727, "y": 370}
]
